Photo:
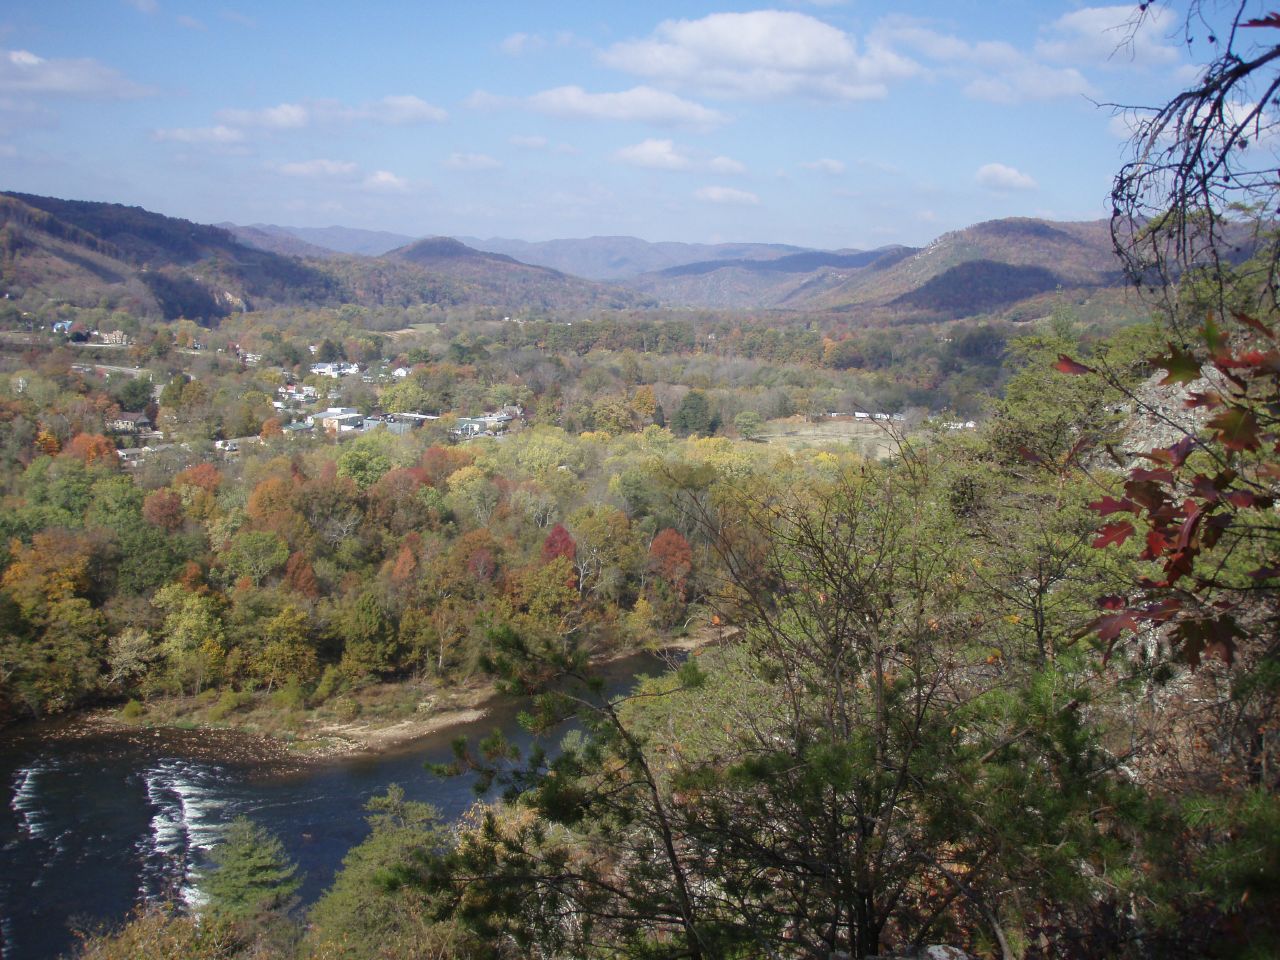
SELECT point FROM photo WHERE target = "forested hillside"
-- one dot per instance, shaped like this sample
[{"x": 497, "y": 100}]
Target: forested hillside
[
  {"x": 59, "y": 255},
  {"x": 982, "y": 269}
]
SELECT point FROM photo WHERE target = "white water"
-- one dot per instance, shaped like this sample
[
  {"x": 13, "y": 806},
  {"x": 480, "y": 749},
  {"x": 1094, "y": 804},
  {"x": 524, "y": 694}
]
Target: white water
[
  {"x": 188, "y": 819},
  {"x": 33, "y": 818}
]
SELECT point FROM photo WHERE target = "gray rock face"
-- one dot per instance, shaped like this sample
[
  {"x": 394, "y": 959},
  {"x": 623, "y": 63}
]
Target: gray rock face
[{"x": 1160, "y": 416}]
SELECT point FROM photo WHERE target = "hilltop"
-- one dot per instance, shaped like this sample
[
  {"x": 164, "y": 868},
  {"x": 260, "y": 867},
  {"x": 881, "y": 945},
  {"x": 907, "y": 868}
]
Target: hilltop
[
  {"x": 92, "y": 254},
  {"x": 989, "y": 266},
  {"x": 616, "y": 258},
  {"x": 334, "y": 239}
]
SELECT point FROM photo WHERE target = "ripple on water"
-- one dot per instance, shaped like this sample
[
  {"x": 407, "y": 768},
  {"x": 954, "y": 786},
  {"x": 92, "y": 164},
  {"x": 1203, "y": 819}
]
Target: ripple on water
[
  {"x": 189, "y": 814},
  {"x": 34, "y": 819}
]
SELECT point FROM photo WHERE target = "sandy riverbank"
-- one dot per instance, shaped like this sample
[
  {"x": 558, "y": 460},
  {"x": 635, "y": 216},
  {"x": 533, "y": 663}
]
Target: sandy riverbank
[{"x": 263, "y": 733}]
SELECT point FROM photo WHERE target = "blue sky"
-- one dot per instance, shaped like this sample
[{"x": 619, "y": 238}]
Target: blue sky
[{"x": 825, "y": 124}]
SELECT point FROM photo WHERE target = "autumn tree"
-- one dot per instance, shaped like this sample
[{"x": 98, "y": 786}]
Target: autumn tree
[
  {"x": 558, "y": 543},
  {"x": 285, "y": 651},
  {"x": 92, "y": 449},
  {"x": 1194, "y": 225},
  {"x": 51, "y": 636},
  {"x": 163, "y": 509},
  {"x": 194, "y": 641}
]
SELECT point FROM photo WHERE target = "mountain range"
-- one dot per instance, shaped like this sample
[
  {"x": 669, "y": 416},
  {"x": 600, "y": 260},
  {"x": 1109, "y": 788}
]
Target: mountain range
[
  {"x": 982, "y": 268},
  {"x": 620, "y": 258},
  {"x": 90, "y": 254},
  {"x": 322, "y": 241}
]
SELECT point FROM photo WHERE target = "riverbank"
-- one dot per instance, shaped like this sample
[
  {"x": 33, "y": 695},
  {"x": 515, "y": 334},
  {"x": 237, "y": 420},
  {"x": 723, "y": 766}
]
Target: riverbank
[
  {"x": 273, "y": 728},
  {"x": 268, "y": 728}
]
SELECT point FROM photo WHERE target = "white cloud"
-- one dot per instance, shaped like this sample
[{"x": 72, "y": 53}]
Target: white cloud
[
  {"x": 639, "y": 104},
  {"x": 236, "y": 17},
  {"x": 385, "y": 180},
  {"x": 23, "y": 72},
  {"x": 1030, "y": 81},
  {"x": 659, "y": 154},
  {"x": 919, "y": 36},
  {"x": 988, "y": 69},
  {"x": 1002, "y": 178},
  {"x": 825, "y": 165},
  {"x": 398, "y": 110},
  {"x": 282, "y": 117},
  {"x": 471, "y": 161},
  {"x": 519, "y": 43},
  {"x": 484, "y": 100},
  {"x": 144, "y": 6},
  {"x": 318, "y": 168},
  {"x": 1116, "y": 35},
  {"x": 532, "y": 142},
  {"x": 759, "y": 55},
  {"x": 725, "y": 165},
  {"x": 191, "y": 23},
  {"x": 655, "y": 154},
  {"x": 727, "y": 195},
  {"x": 218, "y": 134}
]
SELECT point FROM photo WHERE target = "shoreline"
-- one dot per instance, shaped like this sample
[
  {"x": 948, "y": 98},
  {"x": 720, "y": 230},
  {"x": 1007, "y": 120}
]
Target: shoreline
[{"x": 323, "y": 737}]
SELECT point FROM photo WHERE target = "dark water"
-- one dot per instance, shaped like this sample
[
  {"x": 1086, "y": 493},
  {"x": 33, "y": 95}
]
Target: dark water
[{"x": 91, "y": 826}]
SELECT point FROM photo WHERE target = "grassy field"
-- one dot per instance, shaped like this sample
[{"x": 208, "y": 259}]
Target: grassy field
[{"x": 871, "y": 439}]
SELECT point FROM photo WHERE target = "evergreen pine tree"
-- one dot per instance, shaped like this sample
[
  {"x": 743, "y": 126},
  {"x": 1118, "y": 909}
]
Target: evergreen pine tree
[{"x": 250, "y": 875}]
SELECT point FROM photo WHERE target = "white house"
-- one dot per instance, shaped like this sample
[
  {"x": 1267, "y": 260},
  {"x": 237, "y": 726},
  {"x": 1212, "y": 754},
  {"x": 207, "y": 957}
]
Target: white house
[{"x": 337, "y": 369}]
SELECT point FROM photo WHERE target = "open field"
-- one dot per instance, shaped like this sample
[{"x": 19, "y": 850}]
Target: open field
[{"x": 872, "y": 439}]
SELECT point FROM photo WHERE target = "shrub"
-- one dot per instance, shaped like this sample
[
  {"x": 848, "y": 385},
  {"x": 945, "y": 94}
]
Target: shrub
[
  {"x": 290, "y": 697},
  {"x": 331, "y": 681},
  {"x": 228, "y": 703},
  {"x": 346, "y": 709}
]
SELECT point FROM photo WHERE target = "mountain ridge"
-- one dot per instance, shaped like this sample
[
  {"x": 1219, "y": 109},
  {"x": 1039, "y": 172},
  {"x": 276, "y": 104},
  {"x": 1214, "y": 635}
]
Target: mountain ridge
[
  {"x": 90, "y": 253},
  {"x": 615, "y": 258},
  {"x": 87, "y": 253},
  {"x": 1021, "y": 257}
]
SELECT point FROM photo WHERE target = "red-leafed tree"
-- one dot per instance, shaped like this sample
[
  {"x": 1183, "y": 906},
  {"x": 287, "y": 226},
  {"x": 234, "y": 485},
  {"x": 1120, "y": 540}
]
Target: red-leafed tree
[
  {"x": 300, "y": 577},
  {"x": 163, "y": 509},
  {"x": 558, "y": 543},
  {"x": 440, "y": 462},
  {"x": 671, "y": 558}
]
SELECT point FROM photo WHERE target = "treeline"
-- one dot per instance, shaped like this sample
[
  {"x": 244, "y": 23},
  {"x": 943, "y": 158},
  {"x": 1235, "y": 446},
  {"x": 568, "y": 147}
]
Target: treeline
[{"x": 328, "y": 567}]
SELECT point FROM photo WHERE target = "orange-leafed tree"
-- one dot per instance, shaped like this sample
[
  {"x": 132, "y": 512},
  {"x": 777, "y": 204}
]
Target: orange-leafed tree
[{"x": 163, "y": 509}]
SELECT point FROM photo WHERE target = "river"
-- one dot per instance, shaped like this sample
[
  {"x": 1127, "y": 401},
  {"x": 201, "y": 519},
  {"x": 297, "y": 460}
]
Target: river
[{"x": 96, "y": 823}]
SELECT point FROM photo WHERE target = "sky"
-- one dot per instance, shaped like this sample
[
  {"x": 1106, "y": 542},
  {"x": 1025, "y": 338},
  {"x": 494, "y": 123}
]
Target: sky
[{"x": 825, "y": 123}]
